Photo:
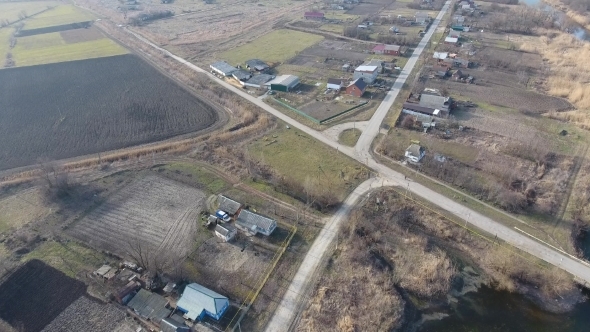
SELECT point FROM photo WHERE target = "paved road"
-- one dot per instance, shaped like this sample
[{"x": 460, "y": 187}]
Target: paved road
[{"x": 285, "y": 312}]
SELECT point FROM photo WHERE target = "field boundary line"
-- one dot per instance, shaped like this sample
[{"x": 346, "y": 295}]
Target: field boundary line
[{"x": 277, "y": 257}]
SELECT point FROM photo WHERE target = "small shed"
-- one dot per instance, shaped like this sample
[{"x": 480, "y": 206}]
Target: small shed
[
  {"x": 121, "y": 295},
  {"x": 415, "y": 153},
  {"x": 197, "y": 301},
  {"x": 228, "y": 205},
  {"x": 440, "y": 55},
  {"x": 254, "y": 223},
  {"x": 356, "y": 88},
  {"x": 346, "y": 67},
  {"x": 170, "y": 325},
  {"x": 440, "y": 71},
  {"x": 451, "y": 40},
  {"x": 149, "y": 306},
  {"x": 335, "y": 83},
  {"x": 106, "y": 271},
  {"x": 455, "y": 33},
  {"x": 257, "y": 64},
  {"x": 223, "y": 68},
  {"x": 225, "y": 232}
]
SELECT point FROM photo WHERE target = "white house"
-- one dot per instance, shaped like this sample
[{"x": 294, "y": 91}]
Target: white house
[
  {"x": 225, "y": 232},
  {"x": 415, "y": 153},
  {"x": 367, "y": 73},
  {"x": 334, "y": 84}
]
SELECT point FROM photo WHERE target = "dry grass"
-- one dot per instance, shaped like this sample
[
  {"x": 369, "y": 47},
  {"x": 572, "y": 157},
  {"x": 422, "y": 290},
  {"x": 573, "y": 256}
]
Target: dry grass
[{"x": 569, "y": 76}]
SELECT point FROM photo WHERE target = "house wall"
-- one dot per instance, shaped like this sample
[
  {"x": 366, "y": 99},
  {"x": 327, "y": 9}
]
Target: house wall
[
  {"x": 334, "y": 86},
  {"x": 391, "y": 52},
  {"x": 353, "y": 90},
  {"x": 367, "y": 77}
]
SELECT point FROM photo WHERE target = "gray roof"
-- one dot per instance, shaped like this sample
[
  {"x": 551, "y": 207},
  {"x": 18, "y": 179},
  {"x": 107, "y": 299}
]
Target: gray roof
[
  {"x": 212, "y": 219},
  {"x": 170, "y": 325},
  {"x": 241, "y": 75},
  {"x": 224, "y": 229},
  {"x": 418, "y": 108},
  {"x": 248, "y": 219},
  {"x": 434, "y": 101},
  {"x": 415, "y": 150},
  {"x": 359, "y": 83},
  {"x": 286, "y": 80},
  {"x": 197, "y": 298},
  {"x": 374, "y": 62},
  {"x": 257, "y": 64},
  {"x": 260, "y": 79},
  {"x": 224, "y": 67},
  {"x": 337, "y": 81},
  {"x": 228, "y": 205},
  {"x": 149, "y": 305},
  {"x": 392, "y": 47}
]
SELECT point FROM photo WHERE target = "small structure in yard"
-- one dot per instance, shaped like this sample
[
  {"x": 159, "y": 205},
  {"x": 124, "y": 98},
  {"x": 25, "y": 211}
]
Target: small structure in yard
[
  {"x": 421, "y": 18},
  {"x": 241, "y": 75},
  {"x": 394, "y": 50},
  {"x": 254, "y": 223},
  {"x": 378, "y": 49},
  {"x": 314, "y": 16},
  {"x": 458, "y": 20},
  {"x": 123, "y": 294},
  {"x": 283, "y": 83},
  {"x": 451, "y": 40},
  {"x": 197, "y": 301},
  {"x": 420, "y": 111},
  {"x": 228, "y": 205},
  {"x": 455, "y": 33},
  {"x": 149, "y": 306},
  {"x": 335, "y": 83},
  {"x": 106, "y": 271},
  {"x": 440, "y": 71},
  {"x": 258, "y": 81},
  {"x": 457, "y": 75},
  {"x": 346, "y": 67},
  {"x": 435, "y": 101},
  {"x": 440, "y": 55},
  {"x": 356, "y": 88},
  {"x": 415, "y": 153},
  {"x": 170, "y": 325},
  {"x": 223, "y": 68},
  {"x": 257, "y": 65},
  {"x": 211, "y": 220},
  {"x": 225, "y": 232},
  {"x": 462, "y": 63},
  {"x": 367, "y": 73}
]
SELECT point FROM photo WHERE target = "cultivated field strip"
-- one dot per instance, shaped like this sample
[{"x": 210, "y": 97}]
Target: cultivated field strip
[
  {"x": 154, "y": 214},
  {"x": 85, "y": 314}
]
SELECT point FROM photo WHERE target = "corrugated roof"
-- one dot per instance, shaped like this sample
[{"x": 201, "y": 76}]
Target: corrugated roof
[
  {"x": 149, "y": 305},
  {"x": 103, "y": 270},
  {"x": 248, "y": 219},
  {"x": 260, "y": 79},
  {"x": 228, "y": 205},
  {"x": 224, "y": 67},
  {"x": 286, "y": 80},
  {"x": 440, "y": 55},
  {"x": 366, "y": 68},
  {"x": 434, "y": 101},
  {"x": 223, "y": 229},
  {"x": 170, "y": 325},
  {"x": 197, "y": 298},
  {"x": 256, "y": 63},
  {"x": 241, "y": 75},
  {"x": 379, "y": 47},
  {"x": 418, "y": 108},
  {"x": 451, "y": 40}
]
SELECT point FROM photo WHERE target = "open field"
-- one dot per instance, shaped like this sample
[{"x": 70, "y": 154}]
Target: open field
[
  {"x": 22, "y": 208},
  {"x": 150, "y": 220},
  {"x": 86, "y": 314},
  {"x": 60, "y": 15},
  {"x": 349, "y": 136},
  {"x": 307, "y": 162},
  {"x": 127, "y": 102},
  {"x": 71, "y": 45},
  {"x": 277, "y": 46},
  {"x": 36, "y": 288},
  {"x": 11, "y": 10}
]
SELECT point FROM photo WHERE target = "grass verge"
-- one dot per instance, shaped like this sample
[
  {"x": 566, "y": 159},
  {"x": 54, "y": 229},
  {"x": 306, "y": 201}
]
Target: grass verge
[{"x": 349, "y": 137}]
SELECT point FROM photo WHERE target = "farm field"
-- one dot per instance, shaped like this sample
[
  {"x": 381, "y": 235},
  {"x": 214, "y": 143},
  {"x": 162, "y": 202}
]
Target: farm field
[
  {"x": 60, "y": 15},
  {"x": 69, "y": 109},
  {"x": 21, "y": 208},
  {"x": 277, "y": 46},
  {"x": 151, "y": 219},
  {"x": 70, "y": 45},
  {"x": 86, "y": 314},
  {"x": 40, "y": 289},
  {"x": 308, "y": 162},
  {"x": 11, "y": 10}
]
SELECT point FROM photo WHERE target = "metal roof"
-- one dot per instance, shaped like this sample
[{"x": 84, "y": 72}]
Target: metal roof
[
  {"x": 286, "y": 80},
  {"x": 434, "y": 101},
  {"x": 440, "y": 55},
  {"x": 170, "y": 325},
  {"x": 223, "y": 229},
  {"x": 366, "y": 68},
  {"x": 415, "y": 150},
  {"x": 248, "y": 219},
  {"x": 260, "y": 79},
  {"x": 451, "y": 40},
  {"x": 257, "y": 63},
  {"x": 336, "y": 81},
  {"x": 241, "y": 75},
  {"x": 149, "y": 305},
  {"x": 224, "y": 67},
  {"x": 418, "y": 108},
  {"x": 228, "y": 205},
  {"x": 197, "y": 298},
  {"x": 103, "y": 270},
  {"x": 392, "y": 47},
  {"x": 359, "y": 83}
]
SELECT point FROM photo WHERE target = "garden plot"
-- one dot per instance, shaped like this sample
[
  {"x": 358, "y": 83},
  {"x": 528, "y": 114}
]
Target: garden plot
[
  {"x": 20, "y": 209},
  {"x": 86, "y": 314},
  {"x": 153, "y": 218}
]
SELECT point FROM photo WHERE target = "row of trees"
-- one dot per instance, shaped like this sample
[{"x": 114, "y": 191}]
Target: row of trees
[{"x": 521, "y": 20}]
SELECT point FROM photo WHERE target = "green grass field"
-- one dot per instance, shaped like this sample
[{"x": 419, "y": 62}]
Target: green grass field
[
  {"x": 11, "y": 10},
  {"x": 335, "y": 28},
  {"x": 277, "y": 46},
  {"x": 4, "y": 42},
  {"x": 303, "y": 159},
  {"x": 47, "y": 48},
  {"x": 60, "y": 15},
  {"x": 349, "y": 136}
]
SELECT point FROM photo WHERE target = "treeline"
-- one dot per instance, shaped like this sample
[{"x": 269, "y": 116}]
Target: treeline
[
  {"x": 149, "y": 16},
  {"x": 581, "y": 6},
  {"x": 521, "y": 20}
]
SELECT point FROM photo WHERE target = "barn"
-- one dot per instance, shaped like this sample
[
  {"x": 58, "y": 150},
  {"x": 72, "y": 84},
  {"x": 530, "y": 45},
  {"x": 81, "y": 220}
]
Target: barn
[
  {"x": 222, "y": 68},
  {"x": 197, "y": 302},
  {"x": 283, "y": 83}
]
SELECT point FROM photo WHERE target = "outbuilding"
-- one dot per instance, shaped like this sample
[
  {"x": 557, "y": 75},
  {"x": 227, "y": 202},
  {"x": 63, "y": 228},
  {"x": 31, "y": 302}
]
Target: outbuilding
[
  {"x": 367, "y": 73},
  {"x": 225, "y": 232},
  {"x": 258, "y": 81},
  {"x": 335, "y": 83},
  {"x": 149, "y": 306},
  {"x": 223, "y": 68},
  {"x": 241, "y": 75},
  {"x": 283, "y": 83},
  {"x": 356, "y": 88},
  {"x": 415, "y": 153},
  {"x": 170, "y": 325},
  {"x": 451, "y": 40},
  {"x": 394, "y": 50},
  {"x": 254, "y": 223},
  {"x": 257, "y": 64},
  {"x": 198, "y": 301},
  {"x": 228, "y": 205}
]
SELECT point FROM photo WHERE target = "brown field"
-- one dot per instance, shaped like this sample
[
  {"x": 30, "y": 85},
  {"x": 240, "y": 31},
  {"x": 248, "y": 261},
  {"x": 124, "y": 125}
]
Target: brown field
[
  {"x": 81, "y": 35},
  {"x": 22, "y": 208},
  {"x": 36, "y": 288},
  {"x": 87, "y": 314},
  {"x": 152, "y": 218}
]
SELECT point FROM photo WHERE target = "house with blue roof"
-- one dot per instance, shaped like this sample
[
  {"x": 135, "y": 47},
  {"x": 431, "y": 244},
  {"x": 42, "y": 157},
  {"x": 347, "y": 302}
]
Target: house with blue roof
[{"x": 198, "y": 301}]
